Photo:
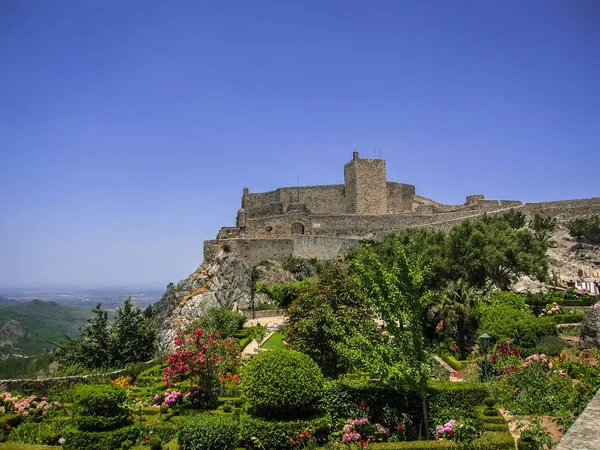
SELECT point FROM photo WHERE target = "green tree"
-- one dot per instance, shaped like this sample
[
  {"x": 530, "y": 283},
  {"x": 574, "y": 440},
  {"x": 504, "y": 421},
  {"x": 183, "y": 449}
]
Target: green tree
[
  {"x": 458, "y": 301},
  {"x": 399, "y": 299},
  {"x": 543, "y": 227},
  {"x": 488, "y": 250},
  {"x": 133, "y": 335},
  {"x": 325, "y": 316},
  {"x": 515, "y": 218},
  {"x": 223, "y": 320}
]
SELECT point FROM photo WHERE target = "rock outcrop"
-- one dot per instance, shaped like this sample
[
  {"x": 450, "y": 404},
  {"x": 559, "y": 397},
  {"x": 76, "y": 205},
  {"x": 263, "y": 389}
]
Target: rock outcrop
[
  {"x": 590, "y": 329},
  {"x": 223, "y": 281}
]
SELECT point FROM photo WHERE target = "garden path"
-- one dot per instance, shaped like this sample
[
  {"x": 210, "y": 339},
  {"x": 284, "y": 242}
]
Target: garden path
[
  {"x": 273, "y": 324},
  {"x": 584, "y": 434}
]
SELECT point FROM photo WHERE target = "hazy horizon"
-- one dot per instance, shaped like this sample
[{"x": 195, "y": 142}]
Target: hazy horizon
[{"x": 128, "y": 130}]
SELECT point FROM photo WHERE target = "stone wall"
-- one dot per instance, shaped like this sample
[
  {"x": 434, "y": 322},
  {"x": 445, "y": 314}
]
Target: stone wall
[
  {"x": 323, "y": 247},
  {"x": 43, "y": 385},
  {"x": 400, "y": 197},
  {"x": 565, "y": 208},
  {"x": 318, "y": 200}
]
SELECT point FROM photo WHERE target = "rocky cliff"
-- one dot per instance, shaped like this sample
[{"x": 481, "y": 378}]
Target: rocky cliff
[{"x": 223, "y": 281}]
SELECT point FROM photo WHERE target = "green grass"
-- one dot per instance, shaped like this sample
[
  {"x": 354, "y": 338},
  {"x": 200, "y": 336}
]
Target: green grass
[{"x": 275, "y": 342}]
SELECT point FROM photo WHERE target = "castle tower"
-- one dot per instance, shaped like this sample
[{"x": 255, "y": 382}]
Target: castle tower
[{"x": 365, "y": 186}]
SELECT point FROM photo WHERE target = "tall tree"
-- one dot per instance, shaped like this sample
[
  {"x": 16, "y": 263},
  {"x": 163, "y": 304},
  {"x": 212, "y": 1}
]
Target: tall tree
[
  {"x": 458, "y": 301},
  {"x": 133, "y": 335},
  {"x": 325, "y": 316},
  {"x": 396, "y": 290}
]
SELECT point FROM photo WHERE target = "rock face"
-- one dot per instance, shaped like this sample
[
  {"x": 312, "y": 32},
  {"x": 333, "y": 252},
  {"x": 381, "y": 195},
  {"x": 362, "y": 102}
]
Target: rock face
[
  {"x": 223, "y": 281},
  {"x": 590, "y": 329}
]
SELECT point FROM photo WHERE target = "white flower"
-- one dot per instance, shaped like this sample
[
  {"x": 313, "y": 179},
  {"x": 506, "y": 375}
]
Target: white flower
[{"x": 61, "y": 441}]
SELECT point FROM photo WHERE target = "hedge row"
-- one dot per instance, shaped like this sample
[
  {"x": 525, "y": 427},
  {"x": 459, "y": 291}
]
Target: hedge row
[
  {"x": 568, "y": 318},
  {"x": 274, "y": 434},
  {"x": 102, "y": 440},
  {"x": 489, "y": 440},
  {"x": 453, "y": 362}
]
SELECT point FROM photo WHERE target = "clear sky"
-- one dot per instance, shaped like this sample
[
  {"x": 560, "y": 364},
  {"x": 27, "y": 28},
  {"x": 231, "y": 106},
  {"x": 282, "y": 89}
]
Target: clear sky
[{"x": 129, "y": 128}]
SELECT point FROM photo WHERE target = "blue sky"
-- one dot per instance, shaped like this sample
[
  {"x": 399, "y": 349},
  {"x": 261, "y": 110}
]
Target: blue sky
[{"x": 128, "y": 129}]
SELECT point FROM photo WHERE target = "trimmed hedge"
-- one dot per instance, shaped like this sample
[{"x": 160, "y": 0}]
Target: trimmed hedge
[
  {"x": 344, "y": 399},
  {"x": 453, "y": 362},
  {"x": 495, "y": 440},
  {"x": 447, "y": 400},
  {"x": 102, "y": 440},
  {"x": 86, "y": 422},
  {"x": 99, "y": 399},
  {"x": 568, "y": 318},
  {"x": 208, "y": 432},
  {"x": 498, "y": 418},
  {"x": 490, "y": 440},
  {"x": 496, "y": 426},
  {"x": 8, "y": 421},
  {"x": 281, "y": 383},
  {"x": 275, "y": 434}
]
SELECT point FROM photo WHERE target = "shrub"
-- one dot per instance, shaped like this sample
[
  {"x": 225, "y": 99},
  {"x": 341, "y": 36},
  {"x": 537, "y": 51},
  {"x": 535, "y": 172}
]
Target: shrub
[
  {"x": 208, "y": 432},
  {"x": 588, "y": 227},
  {"x": 274, "y": 434},
  {"x": 299, "y": 267},
  {"x": 379, "y": 401},
  {"x": 282, "y": 382},
  {"x": 496, "y": 417},
  {"x": 550, "y": 345},
  {"x": 495, "y": 440},
  {"x": 223, "y": 320},
  {"x": 448, "y": 400},
  {"x": 98, "y": 407},
  {"x": 452, "y": 361},
  {"x": 528, "y": 332},
  {"x": 201, "y": 358},
  {"x": 489, "y": 401},
  {"x": 102, "y": 440}
]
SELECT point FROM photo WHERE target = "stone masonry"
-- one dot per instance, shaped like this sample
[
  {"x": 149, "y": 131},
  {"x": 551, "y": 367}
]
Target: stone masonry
[{"x": 325, "y": 221}]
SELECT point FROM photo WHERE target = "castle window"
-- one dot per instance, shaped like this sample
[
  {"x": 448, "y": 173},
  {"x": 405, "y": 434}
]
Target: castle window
[{"x": 297, "y": 228}]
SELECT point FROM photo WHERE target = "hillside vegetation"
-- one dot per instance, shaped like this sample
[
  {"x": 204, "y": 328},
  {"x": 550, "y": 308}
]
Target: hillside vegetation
[{"x": 35, "y": 327}]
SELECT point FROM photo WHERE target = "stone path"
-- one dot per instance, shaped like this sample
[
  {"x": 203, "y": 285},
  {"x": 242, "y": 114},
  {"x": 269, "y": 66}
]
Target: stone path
[
  {"x": 452, "y": 374},
  {"x": 273, "y": 324},
  {"x": 584, "y": 434}
]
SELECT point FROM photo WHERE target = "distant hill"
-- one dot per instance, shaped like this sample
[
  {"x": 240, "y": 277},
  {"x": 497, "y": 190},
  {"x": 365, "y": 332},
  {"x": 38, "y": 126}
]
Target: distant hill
[
  {"x": 35, "y": 327},
  {"x": 7, "y": 301}
]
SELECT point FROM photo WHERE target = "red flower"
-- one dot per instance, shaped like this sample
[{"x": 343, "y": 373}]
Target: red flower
[
  {"x": 563, "y": 356},
  {"x": 363, "y": 443},
  {"x": 147, "y": 437},
  {"x": 400, "y": 427},
  {"x": 451, "y": 432},
  {"x": 363, "y": 405}
]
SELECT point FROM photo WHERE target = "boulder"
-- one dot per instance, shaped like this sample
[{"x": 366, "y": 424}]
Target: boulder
[{"x": 590, "y": 329}]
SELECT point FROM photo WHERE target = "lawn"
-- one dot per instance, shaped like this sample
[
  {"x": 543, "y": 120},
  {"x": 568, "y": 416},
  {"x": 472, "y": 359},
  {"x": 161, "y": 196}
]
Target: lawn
[{"x": 275, "y": 342}]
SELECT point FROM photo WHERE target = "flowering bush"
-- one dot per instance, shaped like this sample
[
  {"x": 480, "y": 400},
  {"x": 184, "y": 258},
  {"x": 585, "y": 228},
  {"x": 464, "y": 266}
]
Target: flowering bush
[
  {"x": 26, "y": 405},
  {"x": 456, "y": 431},
  {"x": 230, "y": 384},
  {"x": 123, "y": 382},
  {"x": 539, "y": 360},
  {"x": 505, "y": 359},
  {"x": 362, "y": 432},
  {"x": 552, "y": 309},
  {"x": 203, "y": 357},
  {"x": 169, "y": 399}
]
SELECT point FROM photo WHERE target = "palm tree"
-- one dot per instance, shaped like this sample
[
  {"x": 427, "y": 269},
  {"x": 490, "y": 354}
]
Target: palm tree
[{"x": 457, "y": 301}]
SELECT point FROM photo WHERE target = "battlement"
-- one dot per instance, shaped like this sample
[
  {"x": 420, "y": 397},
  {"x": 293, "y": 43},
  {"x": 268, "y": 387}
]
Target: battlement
[{"x": 318, "y": 221}]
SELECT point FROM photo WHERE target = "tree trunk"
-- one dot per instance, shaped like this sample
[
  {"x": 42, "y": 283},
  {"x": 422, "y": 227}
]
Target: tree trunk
[
  {"x": 423, "y": 394},
  {"x": 460, "y": 331}
]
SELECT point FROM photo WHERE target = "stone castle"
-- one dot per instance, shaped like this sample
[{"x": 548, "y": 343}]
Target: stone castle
[{"x": 326, "y": 221}]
